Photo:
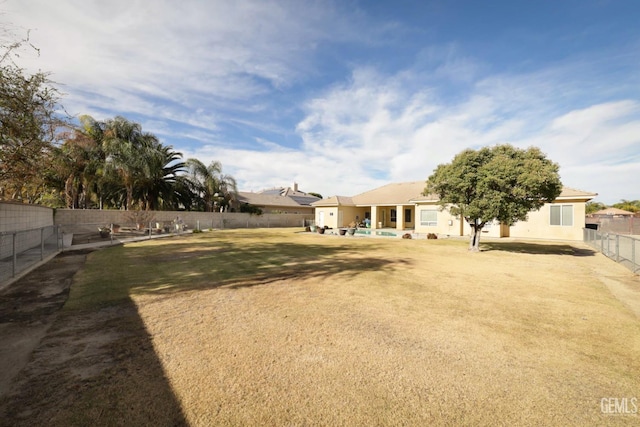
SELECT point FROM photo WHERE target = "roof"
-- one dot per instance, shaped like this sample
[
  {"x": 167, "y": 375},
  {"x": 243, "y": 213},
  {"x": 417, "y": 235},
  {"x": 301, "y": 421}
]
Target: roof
[
  {"x": 572, "y": 193},
  {"x": 613, "y": 211},
  {"x": 261, "y": 199},
  {"x": 334, "y": 201},
  {"x": 278, "y": 197},
  {"x": 397, "y": 193},
  {"x": 300, "y": 198},
  {"x": 402, "y": 193}
]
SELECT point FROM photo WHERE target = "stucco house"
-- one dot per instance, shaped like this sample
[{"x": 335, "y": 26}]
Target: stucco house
[
  {"x": 280, "y": 200},
  {"x": 401, "y": 206}
]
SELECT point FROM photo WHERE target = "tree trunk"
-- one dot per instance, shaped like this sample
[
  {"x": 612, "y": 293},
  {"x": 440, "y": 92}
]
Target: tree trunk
[
  {"x": 129, "y": 203},
  {"x": 474, "y": 241}
]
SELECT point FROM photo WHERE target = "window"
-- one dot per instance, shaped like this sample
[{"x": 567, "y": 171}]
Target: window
[
  {"x": 407, "y": 215},
  {"x": 393, "y": 215},
  {"x": 562, "y": 215},
  {"x": 429, "y": 218}
]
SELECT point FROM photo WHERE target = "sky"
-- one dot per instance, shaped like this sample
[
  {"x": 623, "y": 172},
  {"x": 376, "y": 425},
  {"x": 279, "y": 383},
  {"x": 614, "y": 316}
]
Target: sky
[{"x": 344, "y": 96}]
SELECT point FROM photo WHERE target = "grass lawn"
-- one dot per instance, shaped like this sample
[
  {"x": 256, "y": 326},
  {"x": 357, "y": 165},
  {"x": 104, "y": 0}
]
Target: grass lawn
[{"x": 274, "y": 327}]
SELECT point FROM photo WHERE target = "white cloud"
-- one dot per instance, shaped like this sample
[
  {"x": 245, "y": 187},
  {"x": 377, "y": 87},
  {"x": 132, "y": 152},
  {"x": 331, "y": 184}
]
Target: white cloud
[
  {"x": 394, "y": 134},
  {"x": 121, "y": 55},
  {"x": 191, "y": 70}
]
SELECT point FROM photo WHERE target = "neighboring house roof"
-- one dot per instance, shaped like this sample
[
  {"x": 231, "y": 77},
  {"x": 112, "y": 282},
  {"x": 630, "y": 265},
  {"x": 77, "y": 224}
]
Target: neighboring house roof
[
  {"x": 612, "y": 212},
  {"x": 278, "y": 197},
  {"x": 400, "y": 193},
  {"x": 260, "y": 199}
]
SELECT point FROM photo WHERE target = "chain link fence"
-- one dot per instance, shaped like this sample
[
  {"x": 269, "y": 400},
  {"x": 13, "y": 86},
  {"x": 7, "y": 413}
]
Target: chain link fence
[
  {"x": 21, "y": 249},
  {"x": 620, "y": 248},
  {"x": 105, "y": 234}
]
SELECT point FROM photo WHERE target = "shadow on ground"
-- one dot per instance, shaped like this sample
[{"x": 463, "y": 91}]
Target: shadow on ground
[
  {"x": 184, "y": 266},
  {"x": 536, "y": 248},
  {"x": 92, "y": 367},
  {"x": 96, "y": 365}
]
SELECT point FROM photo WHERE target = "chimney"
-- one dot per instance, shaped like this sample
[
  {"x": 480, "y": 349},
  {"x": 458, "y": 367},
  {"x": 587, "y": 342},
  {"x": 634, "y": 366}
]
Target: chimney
[{"x": 295, "y": 187}]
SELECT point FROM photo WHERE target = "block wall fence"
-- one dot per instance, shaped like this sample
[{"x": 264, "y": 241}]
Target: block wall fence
[
  {"x": 21, "y": 216},
  {"x": 15, "y": 219},
  {"x": 70, "y": 219}
]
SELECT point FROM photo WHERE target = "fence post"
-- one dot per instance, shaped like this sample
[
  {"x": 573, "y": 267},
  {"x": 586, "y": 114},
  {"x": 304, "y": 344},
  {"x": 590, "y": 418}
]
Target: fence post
[
  {"x": 15, "y": 255},
  {"x": 42, "y": 244},
  {"x": 633, "y": 254},
  {"x": 617, "y": 248}
]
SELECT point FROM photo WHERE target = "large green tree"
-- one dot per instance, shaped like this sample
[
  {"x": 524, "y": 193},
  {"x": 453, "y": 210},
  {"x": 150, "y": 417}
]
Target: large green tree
[
  {"x": 28, "y": 126},
  {"x": 501, "y": 183}
]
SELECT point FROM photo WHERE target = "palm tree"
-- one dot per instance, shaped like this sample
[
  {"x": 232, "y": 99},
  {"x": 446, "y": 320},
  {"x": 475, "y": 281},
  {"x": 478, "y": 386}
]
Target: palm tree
[
  {"x": 156, "y": 187},
  {"x": 127, "y": 149},
  {"x": 211, "y": 184}
]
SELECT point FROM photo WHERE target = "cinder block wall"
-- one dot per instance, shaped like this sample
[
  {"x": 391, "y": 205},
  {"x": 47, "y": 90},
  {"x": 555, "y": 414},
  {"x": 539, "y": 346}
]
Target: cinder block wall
[
  {"x": 74, "y": 220},
  {"x": 19, "y": 217}
]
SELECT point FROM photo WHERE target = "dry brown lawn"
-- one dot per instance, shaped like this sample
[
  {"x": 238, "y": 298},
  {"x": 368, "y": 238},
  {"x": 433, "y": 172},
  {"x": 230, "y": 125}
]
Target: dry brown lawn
[{"x": 274, "y": 327}]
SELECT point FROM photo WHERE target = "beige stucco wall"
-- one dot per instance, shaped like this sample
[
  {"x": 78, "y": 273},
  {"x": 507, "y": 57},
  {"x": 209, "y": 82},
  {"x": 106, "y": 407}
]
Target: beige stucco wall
[
  {"x": 538, "y": 224},
  {"x": 327, "y": 216},
  {"x": 447, "y": 224}
]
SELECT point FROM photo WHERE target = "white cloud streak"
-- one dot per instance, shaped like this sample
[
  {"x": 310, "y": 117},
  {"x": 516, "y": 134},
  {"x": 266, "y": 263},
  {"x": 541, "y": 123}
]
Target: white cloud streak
[
  {"x": 207, "y": 65},
  {"x": 395, "y": 135}
]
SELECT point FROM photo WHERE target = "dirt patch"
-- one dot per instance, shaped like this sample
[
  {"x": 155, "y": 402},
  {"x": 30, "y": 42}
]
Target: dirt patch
[
  {"x": 63, "y": 367},
  {"x": 29, "y": 307}
]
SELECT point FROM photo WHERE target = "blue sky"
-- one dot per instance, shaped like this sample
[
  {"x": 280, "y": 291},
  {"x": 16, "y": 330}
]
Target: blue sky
[{"x": 344, "y": 96}]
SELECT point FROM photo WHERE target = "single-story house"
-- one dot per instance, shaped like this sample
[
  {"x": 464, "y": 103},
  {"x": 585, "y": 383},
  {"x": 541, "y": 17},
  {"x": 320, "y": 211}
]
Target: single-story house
[
  {"x": 280, "y": 200},
  {"x": 402, "y": 206},
  {"x": 612, "y": 213}
]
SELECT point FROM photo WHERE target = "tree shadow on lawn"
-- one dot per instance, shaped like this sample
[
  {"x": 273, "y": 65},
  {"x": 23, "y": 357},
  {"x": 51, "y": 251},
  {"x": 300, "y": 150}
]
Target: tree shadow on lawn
[
  {"x": 238, "y": 265},
  {"x": 93, "y": 367},
  {"x": 536, "y": 248},
  {"x": 97, "y": 364}
]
